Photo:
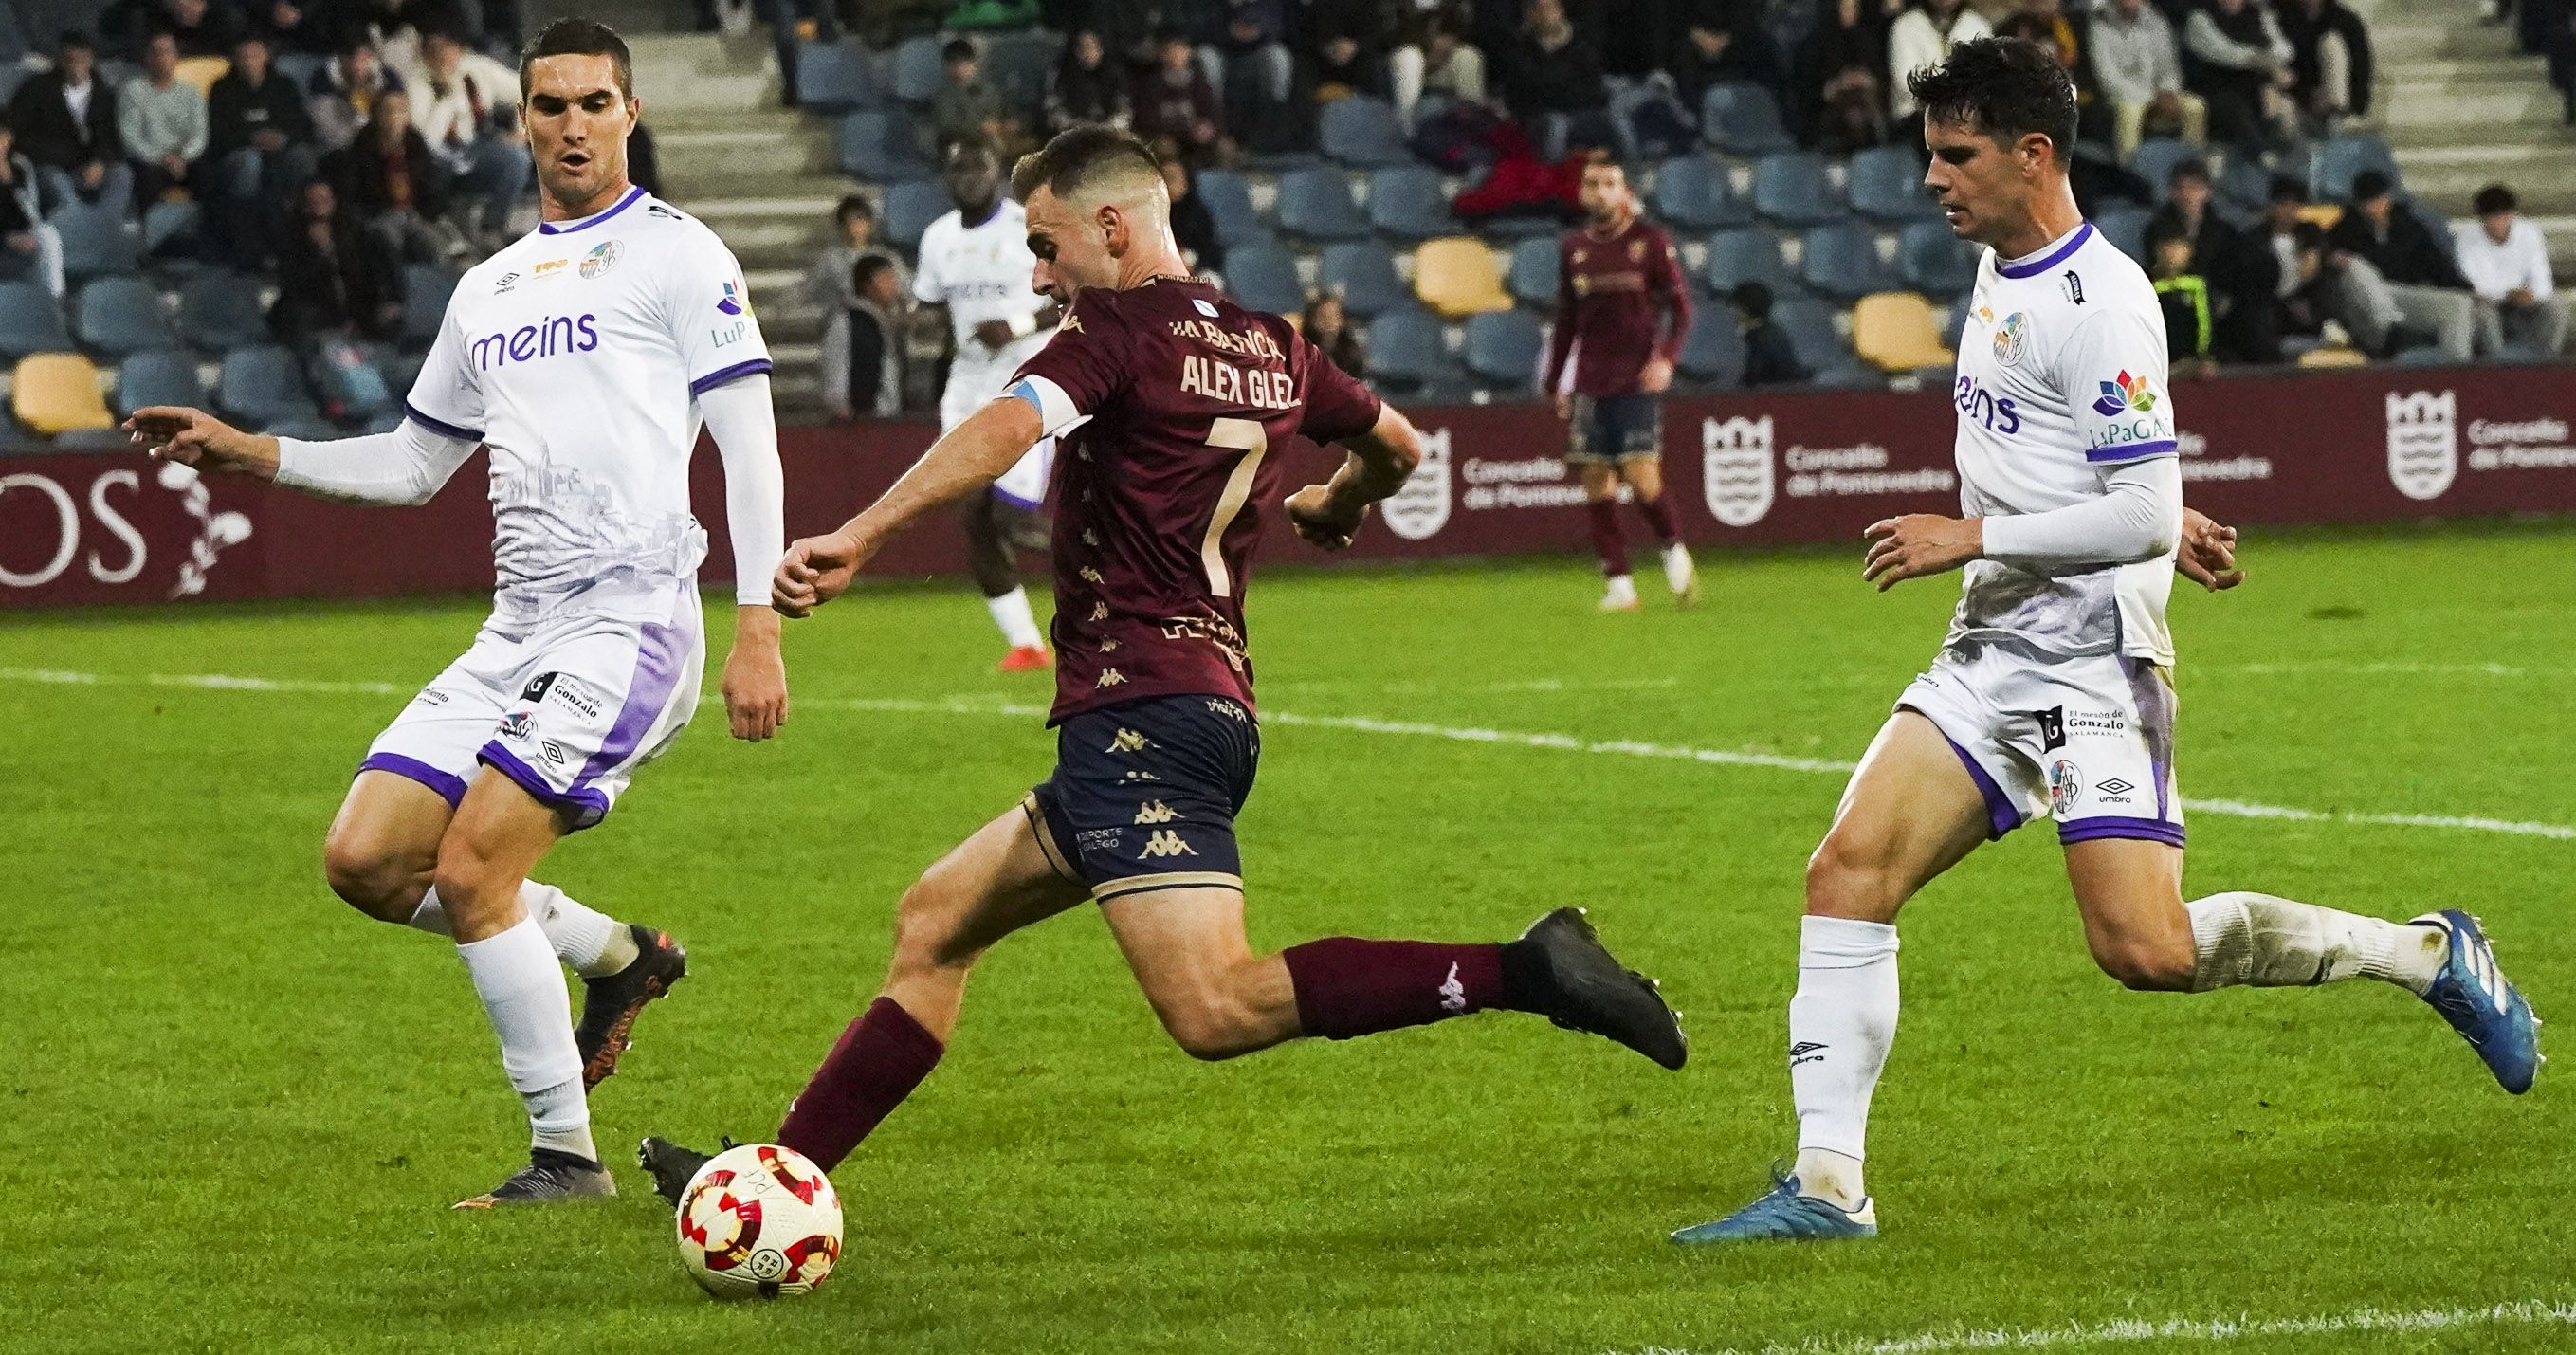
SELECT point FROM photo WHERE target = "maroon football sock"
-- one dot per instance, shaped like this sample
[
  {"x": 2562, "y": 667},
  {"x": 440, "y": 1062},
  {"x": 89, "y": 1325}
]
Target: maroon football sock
[
  {"x": 878, "y": 1061},
  {"x": 1658, "y": 512},
  {"x": 1607, "y": 541},
  {"x": 1348, "y": 987}
]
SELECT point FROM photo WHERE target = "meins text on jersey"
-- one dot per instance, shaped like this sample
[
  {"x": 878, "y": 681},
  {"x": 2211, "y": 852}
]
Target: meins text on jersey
[{"x": 549, "y": 337}]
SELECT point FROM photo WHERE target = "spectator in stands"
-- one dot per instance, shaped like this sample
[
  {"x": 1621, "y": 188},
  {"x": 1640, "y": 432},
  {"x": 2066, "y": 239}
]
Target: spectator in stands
[
  {"x": 1438, "y": 59},
  {"x": 1176, "y": 104},
  {"x": 344, "y": 92},
  {"x": 1769, "y": 358},
  {"x": 259, "y": 148},
  {"x": 1326, "y": 326},
  {"x": 2184, "y": 294},
  {"x": 67, "y": 124},
  {"x": 863, "y": 357},
  {"x": 1839, "y": 90},
  {"x": 2138, "y": 69},
  {"x": 1922, "y": 36},
  {"x": 966, "y": 108},
  {"x": 197, "y": 27},
  {"x": 1723, "y": 40},
  {"x": 2506, "y": 262},
  {"x": 1251, "y": 68},
  {"x": 1344, "y": 43},
  {"x": 393, "y": 182},
  {"x": 2394, "y": 272},
  {"x": 828, "y": 283},
  {"x": 1088, "y": 85},
  {"x": 397, "y": 28},
  {"x": 305, "y": 29},
  {"x": 29, "y": 246},
  {"x": 333, "y": 278},
  {"x": 2240, "y": 65},
  {"x": 2237, "y": 281},
  {"x": 1553, "y": 84},
  {"x": 162, "y": 121},
  {"x": 2309, "y": 289},
  {"x": 468, "y": 112},
  {"x": 2330, "y": 62},
  {"x": 1193, "y": 226}
]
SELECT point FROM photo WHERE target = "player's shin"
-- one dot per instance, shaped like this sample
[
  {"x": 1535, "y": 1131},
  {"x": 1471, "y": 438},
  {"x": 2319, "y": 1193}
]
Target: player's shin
[
  {"x": 1348, "y": 987},
  {"x": 523, "y": 993},
  {"x": 1658, "y": 513},
  {"x": 2260, "y": 941},
  {"x": 589, "y": 942},
  {"x": 1841, "y": 1022},
  {"x": 1608, "y": 542},
  {"x": 876, "y": 1063}
]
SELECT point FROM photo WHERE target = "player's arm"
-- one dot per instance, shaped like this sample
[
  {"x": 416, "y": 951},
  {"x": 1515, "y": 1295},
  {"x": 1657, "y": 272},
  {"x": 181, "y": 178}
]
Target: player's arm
[
  {"x": 1376, "y": 464},
  {"x": 741, "y": 419},
  {"x": 2208, "y": 554},
  {"x": 1675, "y": 293},
  {"x": 1000, "y": 334},
  {"x": 403, "y": 467},
  {"x": 967, "y": 458}
]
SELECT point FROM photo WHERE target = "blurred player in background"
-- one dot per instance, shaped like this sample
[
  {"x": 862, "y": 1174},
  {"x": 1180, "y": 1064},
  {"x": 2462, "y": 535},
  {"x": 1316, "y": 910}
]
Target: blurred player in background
[
  {"x": 1622, "y": 311},
  {"x": 586, "y": 356},
  {"x": 975, "y": 263},
  {"x": 1169, "y": 399},
  {"x": 2053, "y": 694}
]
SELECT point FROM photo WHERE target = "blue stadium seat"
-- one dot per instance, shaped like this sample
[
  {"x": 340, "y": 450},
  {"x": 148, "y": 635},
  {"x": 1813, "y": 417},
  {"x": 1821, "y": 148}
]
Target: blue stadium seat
[
  {"x": 2340, "y": 158},
  {"x": 1810, "y": 328},
  {"x": 1503, "y": 349},
  {"x": 117, "y": 316},
  {"x": 166, "y": 376},
  {"x": 1745, "y": 255},
  {"x": 1793, "y": 189},
  {"x": 1887, "y": 185},
  {"x": 166, "y": 224},
  {"x": 1713, "y": 351},
  {"x": 426, "y": 288},
  {"x": 1363, "y": 272},
  {"x": 834, "y": 78},
  {"x": 918, "y": 70},
  {"x": 1409, "y": 203},
  {"x": 12, "y": 75},
  {"x": 911, "y": 207},
  {"x": 30, "y": 322},
  {"x": 1532, "y": 275},
  {"x": 878, "y": 147},
  {"x": 1316, "y": 203},
  {"x": 263, "y": 386},
  {"x": 2154, "y": 162},
  {"x": 2245, "y": 190},
  {"x": 1696, "y": 193},
  {"x": 220, "y": 309},
  {"x": 1362, "y": 132},
  {"x": 2126, "y": 228},
  {"x": 98, "y": 239},
  {"x": 1741, "y": 118},
  {"x": 1264, "y": 278},
  {"x": 353, "y": 389},
  {"x": 1229, "y": 201},
  {"x": 1936, "y": 262},
  {"x": 1841, "y": 261},
  {"x": 1017, "y": 65},
  {"x": 1408, "y": 348},
  {"x": 299, "y": 68}
]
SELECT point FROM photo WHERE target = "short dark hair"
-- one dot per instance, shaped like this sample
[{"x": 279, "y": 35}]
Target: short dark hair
[
  {"x": 2005, "y": 88},
  {"x": 2288, "y": 189},
  {"x": 2308, "y": 235},
  {"x": 2493, "y": 199},
  {"x": 1076, "y": 157},
  {"x": 2193, "y": 168},
  {"x": 74, "y": 39},
  {"x": 1751, "y": 299},
  {"x": 579, "y": 37},
  {"x": 2368, "y": 184},
  {"x": 855, "y": 204},
  {"x": 958, "y": 49},
  {"x": 866, "y": 269}
]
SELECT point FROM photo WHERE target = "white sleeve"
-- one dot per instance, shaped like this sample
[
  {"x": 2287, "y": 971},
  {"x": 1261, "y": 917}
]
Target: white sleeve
[
  {"x": 927, "y": 286},
  {"x": 745, "y": 427},
  {"x": 2535, "y": 259},
  {"x": 2138, "y": 517},
  {"x": 405, "y": 466},
  {"x": 2113, "y": 372},
  {"x": 708, "y": 307},
  {"x": 447, "y": 396}
]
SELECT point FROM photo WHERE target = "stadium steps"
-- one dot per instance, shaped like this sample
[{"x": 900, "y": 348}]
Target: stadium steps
[{"x": 2463, "y": 107}]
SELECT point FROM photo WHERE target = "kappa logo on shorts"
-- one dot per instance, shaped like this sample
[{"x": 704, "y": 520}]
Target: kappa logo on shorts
[
  {"x": 1155, "y": 811},
  {"x": 520, "y": 725},
  {"x": 1127, "y": 741},
  {"x": 1453, "y": 992},
  {"x": 2052, "y": 728},
  {"x": 2065, "y": 784},
  {"x": 1100, "y": 611},
  {"x": 1165, "y": 842}
]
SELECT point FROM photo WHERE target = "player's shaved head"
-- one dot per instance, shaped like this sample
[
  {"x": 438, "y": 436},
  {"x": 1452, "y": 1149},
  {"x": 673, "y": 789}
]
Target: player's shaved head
[{"x": 1090, "y": 164}]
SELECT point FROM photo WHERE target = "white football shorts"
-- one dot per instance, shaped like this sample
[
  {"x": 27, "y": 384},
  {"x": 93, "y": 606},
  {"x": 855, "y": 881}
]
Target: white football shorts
[
  {"x": 568, "y": 709},
  {"x": 2086, "y": 741},
  {"x": 973, "y": 385}
]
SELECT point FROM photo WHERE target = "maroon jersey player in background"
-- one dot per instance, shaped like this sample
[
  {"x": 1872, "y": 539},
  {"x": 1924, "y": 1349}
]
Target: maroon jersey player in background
[
  {"x": 1167, "y": 398},
  {"x": 1622, "y": 310}
]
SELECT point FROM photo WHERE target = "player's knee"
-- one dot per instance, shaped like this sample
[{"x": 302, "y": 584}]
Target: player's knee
[
  {"x": 1845, "y": 879},
  {"x": 1209, "y": 1022},
  {"x": 925, "y": 934},
  {"x": 385, "y": 885},
  {"x": 470, "y": 884},
  {"x": 2145, "y": 966}
]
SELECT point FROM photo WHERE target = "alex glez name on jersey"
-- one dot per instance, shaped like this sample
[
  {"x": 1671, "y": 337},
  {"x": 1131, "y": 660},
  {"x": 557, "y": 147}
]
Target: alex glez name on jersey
[{"x": 1228, "y": 384}]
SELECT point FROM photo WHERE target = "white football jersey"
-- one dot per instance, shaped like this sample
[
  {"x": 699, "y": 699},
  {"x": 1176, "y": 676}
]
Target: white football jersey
[
  {"x": 981, "y": 274},
  {"x": 2061, "y": 379},
  {"x": 576, "y": 355}
]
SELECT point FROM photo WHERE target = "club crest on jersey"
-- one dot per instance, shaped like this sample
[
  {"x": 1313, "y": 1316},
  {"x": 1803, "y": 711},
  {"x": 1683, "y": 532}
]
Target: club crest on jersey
[
  {"x": 2012, "y": 338},
  {"x": 731, "y": 302},
  {"x": 2065, "y": 783},
  {"x": 602, "y": 257},
  {"x": 2124, "y": 393}
]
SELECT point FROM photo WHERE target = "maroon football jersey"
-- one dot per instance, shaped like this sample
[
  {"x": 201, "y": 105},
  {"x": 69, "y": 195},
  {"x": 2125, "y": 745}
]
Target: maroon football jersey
[
  {"x": 1167, "y": 400},
  {"x": 1619, "y": 301}
]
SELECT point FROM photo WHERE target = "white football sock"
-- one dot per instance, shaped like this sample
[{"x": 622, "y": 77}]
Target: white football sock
[
  {"x": 1619, "y": 591},
  {"x": 1678, "y": 568},
  {"x": 1019, "y": 624},
  {"x": 1841, "y": 1022},
  {"x": 590, "y": 941},
  {"x": 523, "y": 993},
  {"x": 2261, "y": 941}
]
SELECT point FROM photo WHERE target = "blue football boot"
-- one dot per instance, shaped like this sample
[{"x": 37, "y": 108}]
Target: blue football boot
[
  {"x": 2482, "y": 1004},
  {"x": 1784, "y": 1215}
]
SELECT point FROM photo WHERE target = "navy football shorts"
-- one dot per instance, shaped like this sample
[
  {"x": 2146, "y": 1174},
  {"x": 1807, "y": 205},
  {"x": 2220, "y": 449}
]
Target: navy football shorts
[
  {"x": 1610, "y": 428},
  {"x": 1145, "y": 793}
]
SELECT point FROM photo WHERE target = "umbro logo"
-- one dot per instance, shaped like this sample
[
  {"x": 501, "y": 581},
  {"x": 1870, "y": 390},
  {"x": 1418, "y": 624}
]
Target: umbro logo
[
  {"x": 2115, "y": 786},
  {"x": 1165, "y": 842},
  {"x": 1155, "y": 811},
  {"x": 1806, "y": 1051},
  {"x": 1127, "y": 741}
]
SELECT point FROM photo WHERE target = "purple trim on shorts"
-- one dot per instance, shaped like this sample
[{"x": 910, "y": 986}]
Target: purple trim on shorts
[
  {"x": 449, "y": 788},
  {"x": 648, "y": 694},
  {"x": 584, "y": 805},
  {"x": 2001, "y": 815},
  {"x": 2036, "y": 267},
  {"x": 2149, "y": 830}
]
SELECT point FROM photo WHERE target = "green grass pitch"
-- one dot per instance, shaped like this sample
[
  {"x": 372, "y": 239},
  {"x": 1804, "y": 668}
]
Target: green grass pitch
[{"x": 233, "y": 1114}]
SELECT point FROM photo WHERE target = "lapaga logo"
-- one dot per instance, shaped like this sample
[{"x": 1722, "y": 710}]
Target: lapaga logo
[{"x": 2123, "y": 394}]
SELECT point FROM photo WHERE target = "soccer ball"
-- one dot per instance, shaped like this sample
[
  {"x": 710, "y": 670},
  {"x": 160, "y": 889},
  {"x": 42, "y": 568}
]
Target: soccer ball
[{"x": 759, "y": 1221}]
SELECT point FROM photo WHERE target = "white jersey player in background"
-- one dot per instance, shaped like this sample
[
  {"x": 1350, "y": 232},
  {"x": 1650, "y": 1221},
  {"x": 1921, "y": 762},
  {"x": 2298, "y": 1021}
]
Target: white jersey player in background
[
  {"x": 585, "y": 356},
  {"x": 2052, "y": 695},
  {"x": 975, "y": 262}
]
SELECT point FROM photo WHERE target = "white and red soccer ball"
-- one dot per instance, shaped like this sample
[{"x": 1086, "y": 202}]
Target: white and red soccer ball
[{"x": 759, "y": 1221}]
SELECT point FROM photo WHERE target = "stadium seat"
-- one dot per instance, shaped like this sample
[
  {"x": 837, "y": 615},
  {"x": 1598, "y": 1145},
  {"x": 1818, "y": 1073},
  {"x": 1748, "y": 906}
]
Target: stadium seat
[
  {"x": 1792, "y": 188},
  {"x": 2340, "y": 158},
  {"x": 299, "y": 68},
  {"x": 98, "y": 239},
  {"x": 1899, "y": 332},
  {"x": 30, "y": 322},
  {"x": 1887, "y": 185},
  {"x": 220, "y": 309},
  {"x": 1264, "y": 278},
  {"x": 1841, "y": 261},
  {"x": 1316, "y": 204},
  {"x": 918, "y": 70},
  {"x": 1746, "y": 255},
  {"x": 1810, "y": 327},
  {"x": 1407, "y": 348},
  {"x": 1741, "y": 118},
  {"x": 203, "y": 71},
  {"x": 54, "y": 393},
  {"x": 1532, "y": 276},
  {"x": 1696, "y": 193},
  {"x": 2435, "y": 224},
  {"x": 2126, "y": 228},
  {"x": 1935, "y": 261},
  {"x": 1459, "y": 276},
  {"x": 1362, "y": 132},
  {"x": 1713, "y": 351},
  {"x": 1503, "y": 350},
  {"x": 263, "y": 386},
  {"x": 878, "y": 146},
  {"x": 117, "y": 316},
  {"x": 1363, "y": 273},
  {"x": 1410, "y": 203},
  {"x": 834, "y": 78},
  {"x": 2154, "y": 162},
  {"x": 1229, "y": 201},
  {"x": 2245, "y": 190},
  {"x": 166, "y": 376},
  {"x": 1018, "y": 66},
  {"x": 910, "y": 207},
  {"x": 426, "y": 288},
  {"x": 352, "y": 388},
  {"x": 166, "y": 224}
]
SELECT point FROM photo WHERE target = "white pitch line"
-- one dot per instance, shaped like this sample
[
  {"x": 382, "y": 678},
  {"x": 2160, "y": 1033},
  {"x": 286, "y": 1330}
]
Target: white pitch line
[
  {"x": 1565, "y": 743},
  {"x": 2381, "y": 669},
  {"x": 2132, "y": 1331}
]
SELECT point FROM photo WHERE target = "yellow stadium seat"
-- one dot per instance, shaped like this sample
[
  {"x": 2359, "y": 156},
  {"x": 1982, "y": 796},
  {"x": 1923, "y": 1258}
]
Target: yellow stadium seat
[
  {"x": 202, "y": 71},
  {"x": 1459, "y": 276},
  {"x": 1898, "y": 332},
  {"x": 2337, "y": 356},
  {"x": 58, "y": 393}
]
